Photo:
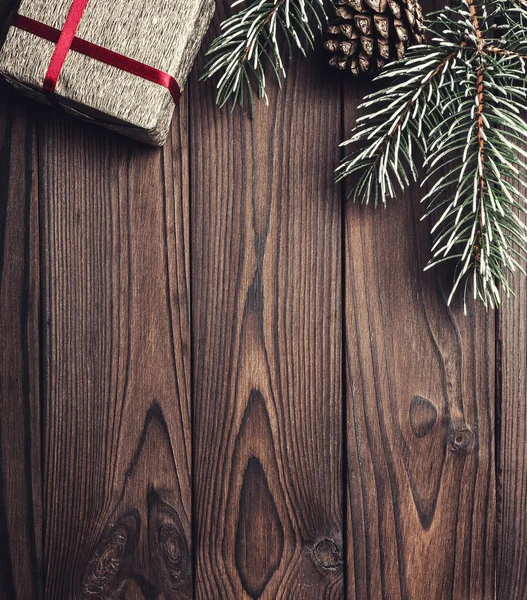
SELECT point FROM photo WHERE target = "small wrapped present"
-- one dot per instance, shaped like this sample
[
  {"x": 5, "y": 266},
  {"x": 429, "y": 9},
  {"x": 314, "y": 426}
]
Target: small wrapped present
[{"x": 120, "y": 63}]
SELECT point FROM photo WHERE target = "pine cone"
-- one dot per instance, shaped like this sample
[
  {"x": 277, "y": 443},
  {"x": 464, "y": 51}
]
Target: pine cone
[{"x": 368, "y": 33}]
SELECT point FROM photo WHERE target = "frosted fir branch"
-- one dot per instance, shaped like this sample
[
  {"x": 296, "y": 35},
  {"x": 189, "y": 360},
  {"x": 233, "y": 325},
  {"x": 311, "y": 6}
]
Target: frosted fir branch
[
  {"x": 385, "y": 140},
  {"x": 252, "y": 39},
  {"x": 468, "y": 124},
  {"x": 478, "y": 225}
]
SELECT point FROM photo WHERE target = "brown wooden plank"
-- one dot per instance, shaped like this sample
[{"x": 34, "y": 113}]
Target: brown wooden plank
[
  {"x": 20, "y": 489},
  {"x": 117, "y": 448},
  {"x": 266, "y": 225},
  {"x": 420, "y": 416},
  {"x": 512, "y": 448}
]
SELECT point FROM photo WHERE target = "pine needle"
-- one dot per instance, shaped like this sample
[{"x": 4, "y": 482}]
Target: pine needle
[
  {"x": 468, "y": 144},
  {"x": 253, "y": 38}
]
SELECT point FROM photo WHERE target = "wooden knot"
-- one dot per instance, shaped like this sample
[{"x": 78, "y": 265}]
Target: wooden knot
[
  {"x": 102, "y": 575},
  {"x": 168, "y": 544},
  {"x": 423, "y": 415},
  {"x": 327, "y": 555},
  {"x": 173, "y": 546},
  {"x": 461, "y": 441}
]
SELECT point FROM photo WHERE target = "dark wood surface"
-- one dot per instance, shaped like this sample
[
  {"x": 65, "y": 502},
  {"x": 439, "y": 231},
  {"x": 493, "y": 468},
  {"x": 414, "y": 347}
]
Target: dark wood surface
[
  {"x": 266, "y": 267},
  {"x": 219, "y": 380},
  {"x": 420, "y": 391},
  {"x": 116, "y": 363},
  {"x": 20, "y": 413},
  {"x": 512, "y": 447}
]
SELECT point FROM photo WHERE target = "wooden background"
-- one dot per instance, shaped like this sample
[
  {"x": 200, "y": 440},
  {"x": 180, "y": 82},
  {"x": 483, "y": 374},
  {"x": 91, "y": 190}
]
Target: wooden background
[{"x": 220, "y": 381}]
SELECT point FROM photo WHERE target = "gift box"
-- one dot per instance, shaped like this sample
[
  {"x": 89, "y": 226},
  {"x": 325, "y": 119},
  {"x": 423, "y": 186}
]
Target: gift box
[{"x": 120, "y": 63}]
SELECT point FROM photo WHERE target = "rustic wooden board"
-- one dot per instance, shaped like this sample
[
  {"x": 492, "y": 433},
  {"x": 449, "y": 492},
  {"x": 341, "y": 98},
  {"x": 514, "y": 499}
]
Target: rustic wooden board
[
  {"x": 116, "y": 364},
  {"x": 420, "y": 416},
  {"x": 97, "y": 460},
  {"x": 266, "y": 273},
  {"x": 20, "y": 490},
  {"x": 512, "y": 448}
]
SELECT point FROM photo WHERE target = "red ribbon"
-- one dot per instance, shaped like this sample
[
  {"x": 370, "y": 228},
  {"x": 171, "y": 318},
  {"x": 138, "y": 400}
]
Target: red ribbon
[
  {"x": 66, "y": 40},
  {"x": 64, "y": 44}
]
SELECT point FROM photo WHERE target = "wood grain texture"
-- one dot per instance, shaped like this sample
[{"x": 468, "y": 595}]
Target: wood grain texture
[
  {"x": 116, "y": 368},
  {"x": 385, "y": 491},
  {"x": 512, "y": 449},
  {"x": 20, "y": 460},
  {"x": 420, "y": 417},
  {"x": 266, "y": 273}
]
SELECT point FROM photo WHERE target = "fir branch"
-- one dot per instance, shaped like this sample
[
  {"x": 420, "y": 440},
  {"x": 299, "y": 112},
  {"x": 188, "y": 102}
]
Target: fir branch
[
  {"x": 507, "y": 53},
  {"x": 385, "y": 160},
  {"x": 468, "y": 122},
  {"x": 480, "y": 228},
  {"x": 251, "y": 39}
]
